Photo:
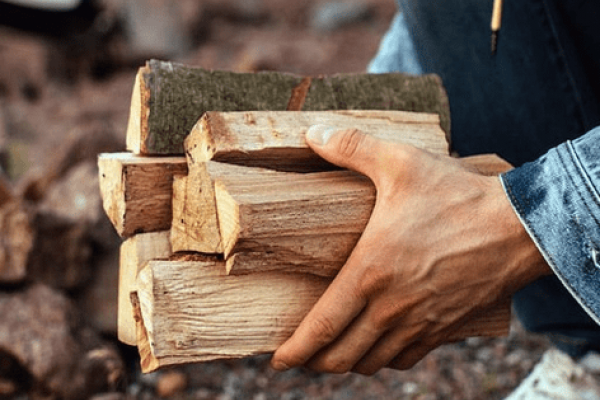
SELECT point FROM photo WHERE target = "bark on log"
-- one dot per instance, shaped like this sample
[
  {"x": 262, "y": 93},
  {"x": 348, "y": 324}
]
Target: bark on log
[
  {"x": 192, "y": 312},
  {"x": 169, "y": 98},
  {"x": 137, "y": 191},
  {"x": 135, "y": 252},
  {"x": 276, "y": 140}
]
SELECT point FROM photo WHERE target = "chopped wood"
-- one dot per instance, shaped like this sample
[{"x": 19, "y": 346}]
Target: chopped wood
[
  {"x": 192, "y": 312},
  {"x": 303, "y": 222},
  {"x": 16, "y": 242},
  {"x": 276, "y": 140},
  {"x": 135, "y": 252},
  {"x": 256, "y": 213},
  {"x": 195, "y": 226},
  {"x": 137, "y": 191},
  {"x": 169, "y": 98}
]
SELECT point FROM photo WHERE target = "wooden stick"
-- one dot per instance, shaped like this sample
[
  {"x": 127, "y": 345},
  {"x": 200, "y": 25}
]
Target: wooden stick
[
  {"x": 137, "y": 191},
  {"x": 135, "y": 252},
  {"x": 276, "y": 139},
  {"x": 192, "y": 312},
  {"x": 169, "y": 98}
]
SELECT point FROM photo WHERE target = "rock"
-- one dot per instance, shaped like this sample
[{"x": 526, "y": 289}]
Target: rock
[
  {"x": 98, "y": 302},
  {"x": 61, "y": 254},
  {"x": 334, "y": 15},
  {"x": 154, "y": 29},
  {"x": 24, "y": 60},
  {"x": 591, "y": 362},
  {"x": 41, "y": 332},
  {"x": 557, "y": 377},
  {"x": 76, "y": 198},
  {"x": 171, "y": 383}
]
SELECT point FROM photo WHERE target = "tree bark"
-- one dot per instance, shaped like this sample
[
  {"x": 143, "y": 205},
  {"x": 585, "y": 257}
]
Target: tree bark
[{"x": 169, "y": 98}]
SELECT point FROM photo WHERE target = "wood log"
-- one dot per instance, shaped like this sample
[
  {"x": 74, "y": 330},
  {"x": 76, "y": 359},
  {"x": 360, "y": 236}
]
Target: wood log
[
  {"x": 195, "y": 226},
  {"x": 135, "y": 252},
  {"x": 137, "y": 191},
  {"x": 254, "y": 215},
  {"x": 192, "y": 312},
  {"x": 16, "y": 241},
  {"x": 303, "y": 223},
  {"x": 276, "y": 140},
  {"x": 169, "y": 98}
]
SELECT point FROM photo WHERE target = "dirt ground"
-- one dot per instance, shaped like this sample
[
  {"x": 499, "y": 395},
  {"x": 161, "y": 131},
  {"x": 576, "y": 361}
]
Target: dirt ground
[{"x": 53, "y": 87}]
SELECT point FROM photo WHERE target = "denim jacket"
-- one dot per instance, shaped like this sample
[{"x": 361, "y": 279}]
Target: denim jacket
[
  {"x": 535, "y": 100},
  {"x": 557, "y": 198}
]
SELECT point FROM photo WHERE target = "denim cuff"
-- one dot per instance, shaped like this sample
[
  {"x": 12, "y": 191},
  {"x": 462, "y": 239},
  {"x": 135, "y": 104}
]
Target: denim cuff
[{"x": 556, "y": 198}]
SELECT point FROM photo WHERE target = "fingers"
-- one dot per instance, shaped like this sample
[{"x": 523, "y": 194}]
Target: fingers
[
  {"x": 349, "y": 148},
  {"x": 334, "y": 311}
]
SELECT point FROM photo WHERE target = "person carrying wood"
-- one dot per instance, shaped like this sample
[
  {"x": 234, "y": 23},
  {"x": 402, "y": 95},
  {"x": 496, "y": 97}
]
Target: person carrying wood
[{"x": 443, "y": 242}]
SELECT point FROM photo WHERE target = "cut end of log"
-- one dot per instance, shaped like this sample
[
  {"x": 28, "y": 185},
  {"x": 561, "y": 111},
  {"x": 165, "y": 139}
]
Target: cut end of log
[
  {"x": 228, "y": 215},
  {"x": 135, "y": 252},
  {"x": 134, "y": 125},
  {"x": 148, "y": 362}
]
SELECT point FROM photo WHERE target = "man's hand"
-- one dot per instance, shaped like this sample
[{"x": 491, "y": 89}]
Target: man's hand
[{"x": 442, "y": 244}]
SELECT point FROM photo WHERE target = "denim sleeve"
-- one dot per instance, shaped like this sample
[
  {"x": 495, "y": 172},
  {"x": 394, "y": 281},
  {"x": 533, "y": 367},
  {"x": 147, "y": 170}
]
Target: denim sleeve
[{"x": 557, "y": 199}]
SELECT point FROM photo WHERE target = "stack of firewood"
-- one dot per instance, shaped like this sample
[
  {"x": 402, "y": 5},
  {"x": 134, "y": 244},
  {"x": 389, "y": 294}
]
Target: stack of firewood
[{"x": 233, "y": 227}]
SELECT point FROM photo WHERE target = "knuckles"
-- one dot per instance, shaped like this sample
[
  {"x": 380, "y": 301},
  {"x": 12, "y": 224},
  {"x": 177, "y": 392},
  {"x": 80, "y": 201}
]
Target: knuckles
[{"x": 351, "y": 143}]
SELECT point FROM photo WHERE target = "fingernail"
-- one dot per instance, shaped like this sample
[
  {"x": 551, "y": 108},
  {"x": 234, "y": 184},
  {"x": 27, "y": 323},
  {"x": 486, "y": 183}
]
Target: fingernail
[
  {"x": 320, "y": 134},
  {"x": 280, "y": 366}
]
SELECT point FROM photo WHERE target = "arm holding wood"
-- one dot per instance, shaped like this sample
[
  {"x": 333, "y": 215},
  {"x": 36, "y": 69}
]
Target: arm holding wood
[{"x": 442, "y": 245}]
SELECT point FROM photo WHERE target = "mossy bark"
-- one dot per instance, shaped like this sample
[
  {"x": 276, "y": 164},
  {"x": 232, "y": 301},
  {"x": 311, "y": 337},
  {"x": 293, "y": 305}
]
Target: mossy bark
[{"x": 175, "y": 96}]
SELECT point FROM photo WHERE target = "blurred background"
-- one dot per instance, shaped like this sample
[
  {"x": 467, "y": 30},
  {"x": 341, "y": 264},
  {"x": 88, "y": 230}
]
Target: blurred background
[{"x": 66, "y": 75}]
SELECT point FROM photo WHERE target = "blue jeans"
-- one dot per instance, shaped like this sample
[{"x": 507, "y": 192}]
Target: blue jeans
[{"x": 533, "y": 95}]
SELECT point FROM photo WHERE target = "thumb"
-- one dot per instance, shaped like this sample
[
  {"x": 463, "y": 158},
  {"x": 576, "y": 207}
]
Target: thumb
[{"x": 348, "y": 148}]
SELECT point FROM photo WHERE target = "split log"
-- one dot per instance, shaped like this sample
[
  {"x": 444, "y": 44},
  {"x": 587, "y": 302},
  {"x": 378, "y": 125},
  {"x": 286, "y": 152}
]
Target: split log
[
  {"x": 195, "y": 226},
  {"x": 135, "y": 252},
  {"x": 137, "y": 191},
  {"x": 276, "y": 140},
  {"x": 16, "y": 242},
  {"x": 254, "y": 215},
  {"x": 192, "y": 312},
  {"x": 303, "y": 223},
  {"x": 169, "y": 98}
]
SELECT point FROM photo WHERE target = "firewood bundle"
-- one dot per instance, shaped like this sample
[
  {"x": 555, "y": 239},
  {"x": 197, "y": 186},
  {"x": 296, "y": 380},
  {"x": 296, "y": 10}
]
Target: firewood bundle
[{"x": 233, "y": 227}]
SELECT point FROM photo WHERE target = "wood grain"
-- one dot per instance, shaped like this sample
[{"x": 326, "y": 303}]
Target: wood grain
[
  {"x": 276, "y": 140},
  {"x": 137, "y": 191},
  {"x": 192, "y": 312},
  {"x": 135, "y": 252}
]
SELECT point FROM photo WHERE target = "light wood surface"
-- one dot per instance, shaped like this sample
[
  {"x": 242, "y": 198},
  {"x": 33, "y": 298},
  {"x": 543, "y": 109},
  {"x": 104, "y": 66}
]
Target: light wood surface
[
  {"x": 276, "y": 140},
  {"x": 135, "y": 252},
  {"x": 137, "y": 191},
  {"x": 192, "y": 312}
]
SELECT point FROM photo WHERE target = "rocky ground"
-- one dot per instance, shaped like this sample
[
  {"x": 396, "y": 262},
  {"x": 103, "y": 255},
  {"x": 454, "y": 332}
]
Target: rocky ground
[{"x": 64, "y": 97}]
